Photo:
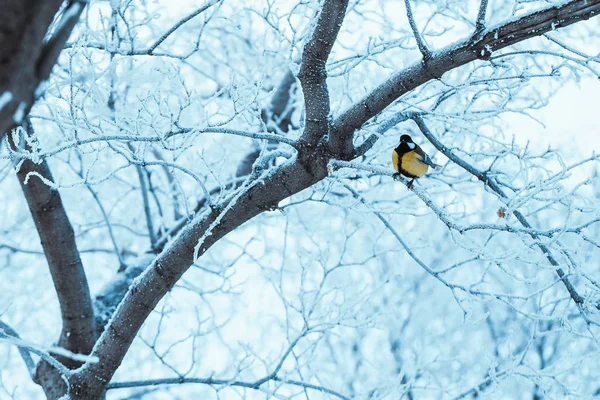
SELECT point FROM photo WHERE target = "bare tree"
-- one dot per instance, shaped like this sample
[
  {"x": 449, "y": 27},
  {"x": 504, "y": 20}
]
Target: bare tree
[{"x": 145, "y": 137}]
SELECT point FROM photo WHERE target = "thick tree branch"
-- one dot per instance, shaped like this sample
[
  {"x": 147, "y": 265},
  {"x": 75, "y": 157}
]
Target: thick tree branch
[
  {"x": 25, "y": 60},
  {"x": 529, "y": 25},
  {"x": 141, "y": 298},
  {"x": 55, "y": 45},
  {"x": 276, "y": 117},
  {"x": 313, "y": 74},
  {"x": 279, "y": 110},
  {"x": 57, "y": 238},
  {"x": 108, "y": 298},
  {"x": 58, "y": 241}
]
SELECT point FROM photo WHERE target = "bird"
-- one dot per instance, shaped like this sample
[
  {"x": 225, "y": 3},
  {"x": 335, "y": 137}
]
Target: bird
[{"x": 410, "y": 160}]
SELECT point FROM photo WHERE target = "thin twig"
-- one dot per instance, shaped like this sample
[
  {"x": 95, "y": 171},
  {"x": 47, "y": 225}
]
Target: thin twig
[
  {"x": 25, "y": 354},
  {"x": 111, "y": 234},
  {"x": 480, "y": 23},
  {"x": 220, "y": 382},
  {"x": 172, "y": 186},
  {"x": 179, "y": 24},
  {"x": 29, "y": 348},
  {"x": 413, "y": 25}
]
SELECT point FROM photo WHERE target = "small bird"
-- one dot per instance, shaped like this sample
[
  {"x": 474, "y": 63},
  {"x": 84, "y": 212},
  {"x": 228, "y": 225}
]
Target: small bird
[{"x": 410, "y": 160}]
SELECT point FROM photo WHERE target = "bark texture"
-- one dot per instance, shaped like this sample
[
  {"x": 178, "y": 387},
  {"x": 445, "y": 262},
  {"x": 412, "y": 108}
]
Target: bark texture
[
  {"x": 78, "y": 333},
  {"x": 24, "y": 25}
]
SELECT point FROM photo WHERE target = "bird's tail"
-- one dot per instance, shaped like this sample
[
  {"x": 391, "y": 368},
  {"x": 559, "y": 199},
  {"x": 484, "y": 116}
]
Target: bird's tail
[{"x": 428, "y": 161}]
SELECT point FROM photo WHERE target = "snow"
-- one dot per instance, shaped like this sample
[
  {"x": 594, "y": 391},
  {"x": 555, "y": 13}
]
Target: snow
[
  {"x": 73, "y": 10},
  {"x": 5, "y": 98},
  {"x": 20, "y": 113}
]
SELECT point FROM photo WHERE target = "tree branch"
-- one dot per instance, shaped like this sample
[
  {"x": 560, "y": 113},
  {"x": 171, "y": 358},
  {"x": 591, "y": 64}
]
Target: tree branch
[
  {"x": 413, "y": 25},
  {"x": 169, "y": 266},
  {"x": 277, "y": 112},
  {"x": 225, "y": 382},
  {"x": 179, "y": 24},
  {"x": 23, "y": 346},
  {"x": 108, "y": 298},
  {"x": 458, "y": 54},
  {"x": 7, "y": 332},
  {"x": 57, "y": 238},
  {"x": 172, "y": 185},
  {"x": 58, "y": 241},
  {"x": 495, "y": 187},
  {"x": 382, "y": 127},
  {"x": 55, "y": 45},
  {"x": 480, "y": 22},
  {"x": 313, "y": 74},
  {"x": 146, "y": 201},
  {"x": 22, "y": 49}
]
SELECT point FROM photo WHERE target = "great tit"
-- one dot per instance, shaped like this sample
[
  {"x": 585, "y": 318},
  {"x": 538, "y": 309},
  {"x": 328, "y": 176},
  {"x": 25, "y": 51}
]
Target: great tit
[{"x": 410, "y": 160}]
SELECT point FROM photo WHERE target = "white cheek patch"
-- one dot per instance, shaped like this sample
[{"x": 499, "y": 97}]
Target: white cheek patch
[{"x": 411, "y": 145}]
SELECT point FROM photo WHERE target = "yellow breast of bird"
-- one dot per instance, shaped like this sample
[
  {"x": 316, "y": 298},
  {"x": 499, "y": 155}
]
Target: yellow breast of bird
[
  {"x": 395, "y": 160},
  {"x": 411, "y": 163}
]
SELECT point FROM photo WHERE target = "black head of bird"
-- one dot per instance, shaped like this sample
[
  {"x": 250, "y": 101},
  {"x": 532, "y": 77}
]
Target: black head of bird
[
  {"x": 410, "y": 160},
  {"x": 407, "y": 143},
  {"x": 406, "y": 139}
]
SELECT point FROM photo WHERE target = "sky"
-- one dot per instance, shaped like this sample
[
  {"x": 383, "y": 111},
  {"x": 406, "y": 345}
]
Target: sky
[{"x": 570, "y": 117}]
